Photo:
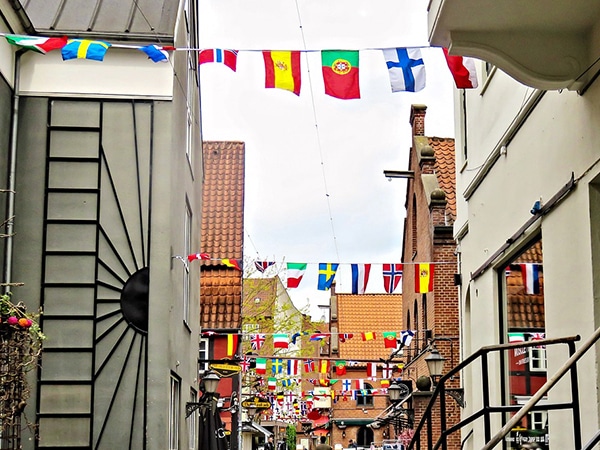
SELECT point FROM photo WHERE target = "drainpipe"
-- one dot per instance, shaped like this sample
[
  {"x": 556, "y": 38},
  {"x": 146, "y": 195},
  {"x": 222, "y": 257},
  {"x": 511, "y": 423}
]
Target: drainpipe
[{"x": 12, "y": 171}]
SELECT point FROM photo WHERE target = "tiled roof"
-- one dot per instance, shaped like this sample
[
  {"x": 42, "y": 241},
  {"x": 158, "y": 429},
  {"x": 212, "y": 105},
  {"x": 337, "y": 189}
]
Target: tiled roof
[
  {"x": 222, "y": 234},
  {"x": 220, "y": 295},
  {"x": 223, "y": 201},
  {"x": 364, "y": 313},
  {"x": 525, "y": 310},
  {"x": 445, "y": 170}
]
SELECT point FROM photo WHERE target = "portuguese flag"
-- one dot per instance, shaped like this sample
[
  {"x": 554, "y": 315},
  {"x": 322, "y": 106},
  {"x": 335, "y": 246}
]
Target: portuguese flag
[{"x": 340, "y": 73}]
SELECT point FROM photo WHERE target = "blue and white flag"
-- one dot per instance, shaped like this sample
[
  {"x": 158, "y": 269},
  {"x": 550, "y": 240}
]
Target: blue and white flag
[
  {"x": 157, "y": 53},
  {"x": 406, "y": 69},
  {"x": 360, "y": 277}
]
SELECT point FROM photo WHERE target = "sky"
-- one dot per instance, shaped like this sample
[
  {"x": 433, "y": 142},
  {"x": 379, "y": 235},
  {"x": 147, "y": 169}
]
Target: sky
[{"x": 314, "y": 189}]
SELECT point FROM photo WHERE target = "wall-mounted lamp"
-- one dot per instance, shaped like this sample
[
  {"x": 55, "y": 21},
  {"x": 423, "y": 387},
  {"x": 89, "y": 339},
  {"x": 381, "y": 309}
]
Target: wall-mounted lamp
[
  {"x": 341, "y": 425},
  {"x": 208, "y": 387},
  {"x": 435, "y": 364},
  {"x": 344, "y": 433},
  {"x": 389, "y": 174}
]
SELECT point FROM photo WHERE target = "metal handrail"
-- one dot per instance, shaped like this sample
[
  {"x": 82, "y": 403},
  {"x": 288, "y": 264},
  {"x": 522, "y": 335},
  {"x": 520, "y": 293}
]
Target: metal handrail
[{"x": 485, "y": 412}]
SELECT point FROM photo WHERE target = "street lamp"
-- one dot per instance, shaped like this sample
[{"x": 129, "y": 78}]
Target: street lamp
[
  {"x": 435, "y": 364},
  {"x": 394, "y": 392},
  {"x": 211, "y": 382}
]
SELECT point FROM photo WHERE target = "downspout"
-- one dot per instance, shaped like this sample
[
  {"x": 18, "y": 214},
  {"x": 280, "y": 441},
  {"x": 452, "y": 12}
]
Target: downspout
[{"x": 12, "y": 172}]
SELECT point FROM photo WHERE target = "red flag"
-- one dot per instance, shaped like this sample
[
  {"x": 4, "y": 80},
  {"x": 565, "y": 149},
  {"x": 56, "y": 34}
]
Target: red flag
[
  {"x": 392, "y": 274},
  {"x": 340, "y": 367},
  {"x": 193, "y": 257},
  {"x": 463, "y": 71}
]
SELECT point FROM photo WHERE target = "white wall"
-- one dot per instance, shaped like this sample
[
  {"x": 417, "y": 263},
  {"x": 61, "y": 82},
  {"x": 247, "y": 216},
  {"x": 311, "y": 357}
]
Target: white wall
[
  {"x": 123, "y": 73},
  {"x": 560, "y": 137}
]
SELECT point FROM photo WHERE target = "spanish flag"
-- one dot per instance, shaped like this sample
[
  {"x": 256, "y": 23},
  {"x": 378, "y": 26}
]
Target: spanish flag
[
  {"x": 232, "y": 344},
  {"x": 423, "y": 278},
  {"x": 282, "y": 70}
]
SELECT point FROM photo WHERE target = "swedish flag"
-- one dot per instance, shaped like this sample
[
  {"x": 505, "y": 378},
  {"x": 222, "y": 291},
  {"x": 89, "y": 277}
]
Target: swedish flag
[{"x": 84, "y": 49}]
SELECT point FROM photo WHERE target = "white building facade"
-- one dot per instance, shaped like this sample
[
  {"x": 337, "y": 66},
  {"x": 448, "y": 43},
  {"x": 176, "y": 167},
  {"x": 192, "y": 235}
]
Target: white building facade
[{"x": 528, "y": 193}]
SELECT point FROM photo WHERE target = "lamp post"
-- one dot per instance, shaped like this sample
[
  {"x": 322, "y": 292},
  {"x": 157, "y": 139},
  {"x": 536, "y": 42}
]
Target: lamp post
[
  {"x": 435, "y": 365},
  {"x": 394, "y": 392},
  {"x": 211, "y": 434}
]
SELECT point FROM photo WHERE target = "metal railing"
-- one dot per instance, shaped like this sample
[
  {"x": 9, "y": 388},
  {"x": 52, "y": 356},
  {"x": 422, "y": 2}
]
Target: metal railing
[{"x": 426, "y": 425}]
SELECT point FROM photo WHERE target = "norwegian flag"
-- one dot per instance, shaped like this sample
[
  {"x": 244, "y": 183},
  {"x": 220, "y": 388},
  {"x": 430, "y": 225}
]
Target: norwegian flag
[
  {"x": 261, "y": 266},
  {"x": 344, "y": 337},
  {"x": 309, "y": 365},
  {"x": 257, "y": 340},
  {"x": 392, "y": 274}
]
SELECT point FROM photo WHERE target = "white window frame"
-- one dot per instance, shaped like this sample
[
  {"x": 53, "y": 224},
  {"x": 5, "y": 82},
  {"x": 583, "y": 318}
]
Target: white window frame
[
  {"x": 203, "y": 354},
  {"x": 174, "y": 411},
  {"x": 192, "y": 422},
  {"x": 538, "y": 361},
  {"x": 538, "y": 420}
]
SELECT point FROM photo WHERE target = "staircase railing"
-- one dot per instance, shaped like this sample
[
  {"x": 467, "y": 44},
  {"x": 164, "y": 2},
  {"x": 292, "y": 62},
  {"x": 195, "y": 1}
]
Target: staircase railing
[{"x": 426, "y": 425}]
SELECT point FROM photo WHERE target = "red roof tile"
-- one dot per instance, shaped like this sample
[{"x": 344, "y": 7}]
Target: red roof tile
[
  {"x": 364, "y": 313},
  {"x": 222, "y": 234},
  {"x": 445, "y": 170}
]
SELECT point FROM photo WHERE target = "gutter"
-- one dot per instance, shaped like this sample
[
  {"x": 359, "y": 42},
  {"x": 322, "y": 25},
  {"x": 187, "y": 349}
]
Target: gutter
[{"x": 12, "y": 172}]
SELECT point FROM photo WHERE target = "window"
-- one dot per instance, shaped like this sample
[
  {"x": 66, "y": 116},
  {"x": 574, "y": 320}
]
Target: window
[
  {"x": 424, "y": 311},
  {"x": 367, "y": 398},
  {"x": 203, "y": 356},
  {"x": 537, "y": 359},
  {"x": 192, "y": 79},
  {"x": 174, "y": 414},
  {"x": 192, "y": 422},
  {"x": 538, "y": 420},
  {"x": 187, "y": 237},
  {"x": 523, "y": 319}
]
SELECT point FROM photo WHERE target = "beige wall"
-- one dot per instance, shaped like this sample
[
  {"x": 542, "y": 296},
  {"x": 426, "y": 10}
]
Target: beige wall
[{"x": 559, "y": 137}]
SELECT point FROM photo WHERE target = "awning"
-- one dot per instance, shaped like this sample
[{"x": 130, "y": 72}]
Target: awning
[{"x": 255, "y": 428}]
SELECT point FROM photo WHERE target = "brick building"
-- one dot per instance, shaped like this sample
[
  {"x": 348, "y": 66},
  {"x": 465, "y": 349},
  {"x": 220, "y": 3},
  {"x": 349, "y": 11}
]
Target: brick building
[
  {"x": 222, "y": 238},
  {"x": 428, "y": 239},
  {"x": 353, "y": 412}
]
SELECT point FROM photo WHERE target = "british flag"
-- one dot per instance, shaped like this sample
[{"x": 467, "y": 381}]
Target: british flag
[
  {"x": 261, "y": 266},
  {"x": 392, "y": 274},
  {"x": 257, "y": 341},
  {"x": 245, "y": 364}
]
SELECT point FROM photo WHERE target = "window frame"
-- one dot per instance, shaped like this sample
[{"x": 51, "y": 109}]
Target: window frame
[{"x": 174, "y": 411}]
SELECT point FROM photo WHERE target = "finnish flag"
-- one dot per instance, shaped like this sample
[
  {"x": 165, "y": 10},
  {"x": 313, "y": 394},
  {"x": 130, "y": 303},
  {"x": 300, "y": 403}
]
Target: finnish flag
[{"x": 406, "y": 69}]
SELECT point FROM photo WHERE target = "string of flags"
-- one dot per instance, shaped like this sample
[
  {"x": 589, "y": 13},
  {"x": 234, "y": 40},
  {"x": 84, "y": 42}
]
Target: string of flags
[
  {"x": 392, "y": 273},
  {"x": 340, "y": 68},
  {"x": 391, "y": 339}
]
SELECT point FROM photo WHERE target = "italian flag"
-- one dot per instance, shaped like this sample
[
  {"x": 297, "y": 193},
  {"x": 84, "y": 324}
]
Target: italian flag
[
  {"x": 261, "y": 365},
  {"x": 36, "y": 43},
  {"x": 295, "y": 272},
  {"x": 280, "y": 340}
]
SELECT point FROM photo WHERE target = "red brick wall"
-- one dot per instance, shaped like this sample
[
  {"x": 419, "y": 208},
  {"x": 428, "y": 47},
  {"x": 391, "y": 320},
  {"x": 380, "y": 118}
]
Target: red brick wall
[{"x": 433, "y": 242}]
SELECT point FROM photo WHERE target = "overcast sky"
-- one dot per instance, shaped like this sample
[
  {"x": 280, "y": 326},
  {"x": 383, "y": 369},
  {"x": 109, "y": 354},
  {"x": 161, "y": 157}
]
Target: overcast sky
[{"x": 315, "y": 190}]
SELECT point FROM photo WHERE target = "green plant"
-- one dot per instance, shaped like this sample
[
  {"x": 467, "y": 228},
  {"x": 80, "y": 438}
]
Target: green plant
[{"x": 15, "y": 316}]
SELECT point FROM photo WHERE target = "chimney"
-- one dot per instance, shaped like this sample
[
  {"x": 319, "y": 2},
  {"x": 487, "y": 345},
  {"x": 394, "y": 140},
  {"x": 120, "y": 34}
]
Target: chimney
[{"x": 417, "y": 119}]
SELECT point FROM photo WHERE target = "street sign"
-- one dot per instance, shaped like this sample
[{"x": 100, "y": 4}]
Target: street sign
[
  {"x": 256, "y": 402},
  {"x": 225, "y": 369}
]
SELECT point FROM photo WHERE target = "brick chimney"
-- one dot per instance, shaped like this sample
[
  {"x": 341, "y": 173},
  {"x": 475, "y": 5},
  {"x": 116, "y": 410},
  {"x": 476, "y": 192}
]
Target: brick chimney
[{"x": 417, "y": 119}]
